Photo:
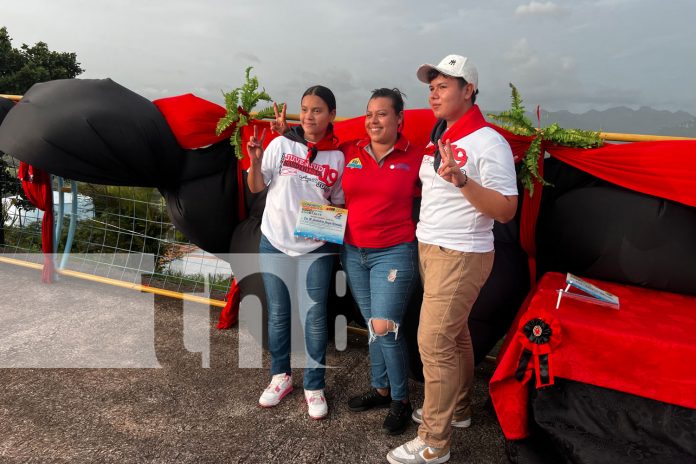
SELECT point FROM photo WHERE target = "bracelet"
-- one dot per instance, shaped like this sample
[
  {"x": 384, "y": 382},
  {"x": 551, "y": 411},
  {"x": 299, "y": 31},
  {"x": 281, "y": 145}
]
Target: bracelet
[{"x": 466, "y": 179}]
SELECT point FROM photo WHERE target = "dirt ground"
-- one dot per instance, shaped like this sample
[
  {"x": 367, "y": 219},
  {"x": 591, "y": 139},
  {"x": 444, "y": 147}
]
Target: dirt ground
[{"x": 179, "y": 411}]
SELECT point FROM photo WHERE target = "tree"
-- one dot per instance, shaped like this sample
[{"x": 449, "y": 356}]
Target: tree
[{"x": 20, "y": 68}]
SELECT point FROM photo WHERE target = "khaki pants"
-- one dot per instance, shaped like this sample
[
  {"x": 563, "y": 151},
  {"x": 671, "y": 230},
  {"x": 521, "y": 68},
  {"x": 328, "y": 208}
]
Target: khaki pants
[{"x": 452, "y": 281}]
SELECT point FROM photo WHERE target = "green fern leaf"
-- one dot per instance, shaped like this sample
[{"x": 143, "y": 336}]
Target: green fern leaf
[{"x": 247, "y": 97}]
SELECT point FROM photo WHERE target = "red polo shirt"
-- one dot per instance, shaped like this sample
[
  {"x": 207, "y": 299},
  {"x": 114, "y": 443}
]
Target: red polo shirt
[{"x": 379, "y": 199}]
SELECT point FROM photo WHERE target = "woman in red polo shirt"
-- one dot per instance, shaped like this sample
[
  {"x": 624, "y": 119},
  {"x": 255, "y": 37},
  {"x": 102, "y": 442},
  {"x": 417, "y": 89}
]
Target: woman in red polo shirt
[{"x": 380, "y": 257}]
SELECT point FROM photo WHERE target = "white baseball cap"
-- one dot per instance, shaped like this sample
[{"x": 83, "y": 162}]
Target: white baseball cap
[{"x": 454, "y": 66}]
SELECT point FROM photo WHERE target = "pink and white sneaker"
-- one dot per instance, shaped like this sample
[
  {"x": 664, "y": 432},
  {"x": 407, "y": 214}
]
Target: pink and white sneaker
[
  {"x": 316, "y": 404},
  {"x": 280, "y": 386}
]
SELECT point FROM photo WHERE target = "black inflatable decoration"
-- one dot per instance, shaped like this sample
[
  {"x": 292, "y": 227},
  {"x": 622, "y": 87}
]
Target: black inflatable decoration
[
  {"x": 93, "y": 131},
  {"x": 203, "y": 203},
  {"x": 596, "y": 229}
]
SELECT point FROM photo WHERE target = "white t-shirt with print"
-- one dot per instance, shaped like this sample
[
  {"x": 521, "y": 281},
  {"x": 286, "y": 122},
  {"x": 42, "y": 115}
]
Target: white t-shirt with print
[
  {"x": 447, "y": 218},
  {"x": 291, "y": 179}
]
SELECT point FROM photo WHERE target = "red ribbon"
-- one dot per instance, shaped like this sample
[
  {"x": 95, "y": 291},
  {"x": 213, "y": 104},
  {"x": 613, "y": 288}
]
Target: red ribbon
[{"x": 543, "y": 336}]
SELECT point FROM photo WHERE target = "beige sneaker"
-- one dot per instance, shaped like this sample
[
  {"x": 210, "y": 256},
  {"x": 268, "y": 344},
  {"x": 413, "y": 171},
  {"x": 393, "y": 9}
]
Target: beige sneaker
[{"x": 417, "y": 451}]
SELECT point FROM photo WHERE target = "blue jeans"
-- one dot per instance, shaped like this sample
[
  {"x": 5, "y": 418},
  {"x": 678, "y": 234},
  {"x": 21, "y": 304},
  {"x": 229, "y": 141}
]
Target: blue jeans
[
  {"x": 382, "y": 280},
  {"x": 307, "y": 278}
]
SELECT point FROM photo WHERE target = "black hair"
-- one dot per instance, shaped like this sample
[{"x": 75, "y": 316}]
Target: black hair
[
  {"x": 395, "y": 95},
  {"x": 433, "y": 73},
  {"x": 324, "y": 93}
]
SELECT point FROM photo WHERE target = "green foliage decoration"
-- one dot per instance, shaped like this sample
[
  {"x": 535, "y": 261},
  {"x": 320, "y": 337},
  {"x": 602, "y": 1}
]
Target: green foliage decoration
[
  {"x": 244, "y": 98},
  {"x": 515, "y": 121}
]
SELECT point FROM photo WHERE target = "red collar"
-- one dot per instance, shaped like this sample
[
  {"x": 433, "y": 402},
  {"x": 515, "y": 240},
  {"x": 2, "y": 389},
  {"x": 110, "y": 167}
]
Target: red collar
[
  {"x": 401, "y": 144},
  {"x": 470, "y": 122},
  {"x": 329, "y": 142}
]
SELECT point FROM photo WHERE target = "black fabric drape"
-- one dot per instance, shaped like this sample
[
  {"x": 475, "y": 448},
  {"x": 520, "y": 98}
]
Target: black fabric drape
[{"x": 583, "y": 424}]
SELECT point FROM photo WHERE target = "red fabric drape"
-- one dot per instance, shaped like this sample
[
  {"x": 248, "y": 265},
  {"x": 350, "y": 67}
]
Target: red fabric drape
[
  {"x": 662, "y": 169},
  {"x": 193, "y": 120},
  {"x": 36, "y": 184}
]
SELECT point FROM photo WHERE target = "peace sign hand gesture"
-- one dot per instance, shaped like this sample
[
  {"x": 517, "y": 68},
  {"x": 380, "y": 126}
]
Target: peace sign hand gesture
[
  {"x": 279, "y": 125},
  {"x": 449, "y": 170},
  {"x": 255, "y": 146}
]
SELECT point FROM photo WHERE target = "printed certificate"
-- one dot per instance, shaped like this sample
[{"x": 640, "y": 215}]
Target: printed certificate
[{"x": 321, "y": 222}]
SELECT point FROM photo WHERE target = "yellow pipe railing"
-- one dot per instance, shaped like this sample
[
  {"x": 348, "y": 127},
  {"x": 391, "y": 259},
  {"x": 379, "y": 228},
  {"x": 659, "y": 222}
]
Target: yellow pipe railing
[
  {"x": 138, "y": 287},
  {"x": 119, "y": 283}
]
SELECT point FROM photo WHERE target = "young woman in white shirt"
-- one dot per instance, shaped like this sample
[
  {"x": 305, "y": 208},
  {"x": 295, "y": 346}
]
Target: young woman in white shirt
[{"x": 303, "y": 164}]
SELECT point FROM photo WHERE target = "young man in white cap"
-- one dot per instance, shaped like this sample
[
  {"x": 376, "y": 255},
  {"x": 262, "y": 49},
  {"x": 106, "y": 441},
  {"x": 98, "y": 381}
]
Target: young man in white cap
[{"x": 468, "y": 178}]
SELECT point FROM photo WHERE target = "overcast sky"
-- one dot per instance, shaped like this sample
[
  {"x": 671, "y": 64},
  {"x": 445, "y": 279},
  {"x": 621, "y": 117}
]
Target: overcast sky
[{"x": 573, "y": 55}]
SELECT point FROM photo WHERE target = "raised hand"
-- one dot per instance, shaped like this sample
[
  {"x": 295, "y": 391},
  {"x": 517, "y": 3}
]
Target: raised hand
[
  {"x": 448, "y": 169},
  {"x": 255, "y": 146},
  {"x": 279, "y": 125}
]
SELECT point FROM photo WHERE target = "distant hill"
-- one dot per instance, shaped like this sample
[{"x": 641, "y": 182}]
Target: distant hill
[{"x": 644, "y": 120}]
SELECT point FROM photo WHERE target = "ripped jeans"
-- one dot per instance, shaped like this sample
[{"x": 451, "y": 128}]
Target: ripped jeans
[{"x": 382, "y": 281}]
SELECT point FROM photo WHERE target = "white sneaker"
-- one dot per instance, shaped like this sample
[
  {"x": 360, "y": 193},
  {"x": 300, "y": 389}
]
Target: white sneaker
[
  {"x": 280, "y": 386},
  {"x": 316, "y": 404}
]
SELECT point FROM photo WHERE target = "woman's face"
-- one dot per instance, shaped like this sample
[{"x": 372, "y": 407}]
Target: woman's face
[
  {"x": 315, "y": 117},
  {"x": 381, "y": 121}
]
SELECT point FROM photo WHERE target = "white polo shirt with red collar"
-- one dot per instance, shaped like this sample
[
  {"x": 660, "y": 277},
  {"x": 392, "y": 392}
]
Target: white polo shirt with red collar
[
  {"x": 291, "y": 178},
  {"x": 447, "y": 218},
  {"x": 379, "y": 196}
]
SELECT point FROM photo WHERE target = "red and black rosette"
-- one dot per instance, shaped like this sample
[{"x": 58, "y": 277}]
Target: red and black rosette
[{"x": 539, "y": 335}]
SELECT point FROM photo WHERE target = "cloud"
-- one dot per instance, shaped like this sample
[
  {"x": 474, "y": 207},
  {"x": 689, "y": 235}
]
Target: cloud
[
  {"x": 611, "y": 3},
  {"x": 539, "y": 8},
  {"x": 552, "y": 81}
]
